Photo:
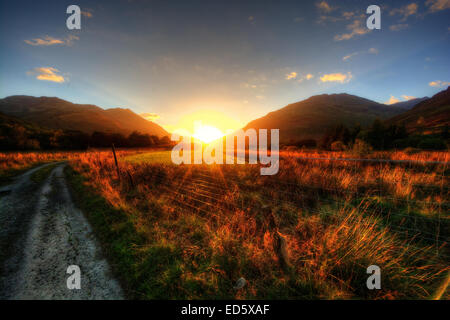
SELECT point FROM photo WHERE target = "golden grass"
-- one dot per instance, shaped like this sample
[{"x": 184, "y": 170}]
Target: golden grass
[
  {"x": 329, "y": 244},
  {"x": 331, "y": 219}
]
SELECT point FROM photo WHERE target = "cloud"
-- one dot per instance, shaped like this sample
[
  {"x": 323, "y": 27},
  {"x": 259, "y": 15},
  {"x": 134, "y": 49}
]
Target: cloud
[
  {"x": 324, "y": 6},
  {"x": 356, "y": 28},
  {"x": 298, "y": 19},
  {"x": 70, "y": 39},
  {"x": 398, "y": 27},
  {"x": 370, "y": 51},
  {"x": 46, "y": 41},
  {"x": 437, "y": 5},
  {"x": 87, "y": 13},
  {"x": 47, "y": 74},
  {"x": 50, "y": 41},
  {"x": 308, "y": 76},
  {"x": 439, "y": 83},
  {"x": 348, "y": 15},
  {"x": 345, "y": 58},
  {"x": 342, "y": 16},
  {"x": 149, "y": 116},
  {"x": 392, "y": 100},
  {"x": 336, "y": 77},
  {"x": 405, "y": 11},
  {"x": 291, "y": 75}
]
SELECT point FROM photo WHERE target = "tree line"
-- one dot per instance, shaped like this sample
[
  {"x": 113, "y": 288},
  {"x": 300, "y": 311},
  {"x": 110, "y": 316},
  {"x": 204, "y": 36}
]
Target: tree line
[
  {"x": 379, "y": 136},
  {"x": 23, "y": 137}
]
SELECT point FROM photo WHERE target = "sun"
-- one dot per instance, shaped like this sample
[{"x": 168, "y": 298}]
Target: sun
[
  {"x": 206, "y": 125},
  {"x": 207, "y": 133}
]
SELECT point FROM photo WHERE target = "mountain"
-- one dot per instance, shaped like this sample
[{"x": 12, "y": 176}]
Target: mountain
[
  {"x": 10, "y": 122},
  {"x": 55, "y": 113},
  {"x": 432, "y": 114},
  {"x": 407, "y": 105},
  {"x": 310, "y": 118}
]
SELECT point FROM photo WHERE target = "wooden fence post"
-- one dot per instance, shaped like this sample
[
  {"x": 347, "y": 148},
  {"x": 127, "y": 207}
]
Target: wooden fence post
[{"x": 115, "y": 160}]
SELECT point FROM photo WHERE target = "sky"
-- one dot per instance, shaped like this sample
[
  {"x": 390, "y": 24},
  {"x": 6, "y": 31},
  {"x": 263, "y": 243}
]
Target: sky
[{"x": 222, "y": 62}]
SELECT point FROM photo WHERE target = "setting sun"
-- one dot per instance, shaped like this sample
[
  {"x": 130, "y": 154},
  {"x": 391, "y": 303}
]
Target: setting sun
[
  {"x": 207, "y": 133},
  {"x": 206, "y": 125}
]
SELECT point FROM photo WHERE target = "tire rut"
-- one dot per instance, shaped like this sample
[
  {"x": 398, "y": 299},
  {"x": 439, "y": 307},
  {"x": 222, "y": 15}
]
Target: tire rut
[{"x": 45, "y": 234}]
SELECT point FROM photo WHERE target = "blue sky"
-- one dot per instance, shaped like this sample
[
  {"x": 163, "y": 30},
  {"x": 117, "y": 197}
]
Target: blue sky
[{"x": 240, "y": 58}]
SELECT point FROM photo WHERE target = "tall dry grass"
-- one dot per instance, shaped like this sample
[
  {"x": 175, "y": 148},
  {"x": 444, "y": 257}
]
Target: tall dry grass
[{"x": 320, "y": 213}]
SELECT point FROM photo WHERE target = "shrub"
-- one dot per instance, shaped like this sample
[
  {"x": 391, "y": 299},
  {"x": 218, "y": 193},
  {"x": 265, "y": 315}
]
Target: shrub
[
  {"x": 361, "y": 147},
  {"x": 409, "y": 151},
  {"x": 338, "y": 146}
]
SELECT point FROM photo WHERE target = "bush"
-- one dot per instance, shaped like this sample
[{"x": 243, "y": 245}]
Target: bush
[
  {"x": 410, "y": 151},
  {"x": 361, "y": 147},
  {"x": 307, "y": 143},
  {"x": 338, "y": 146}
]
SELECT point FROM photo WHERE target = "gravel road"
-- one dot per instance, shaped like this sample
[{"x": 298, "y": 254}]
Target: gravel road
[{"x": 42, "y": 233}]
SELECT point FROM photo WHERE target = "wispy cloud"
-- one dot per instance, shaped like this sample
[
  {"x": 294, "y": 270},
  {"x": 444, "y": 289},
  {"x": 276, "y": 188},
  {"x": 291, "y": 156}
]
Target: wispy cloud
[
  {"x": 437, "y": 5},
  {"x": 338, "y": 16},
  {"x": 336, "y": 77},
  {"x": 47, "y": 74},
  {"x": 348, "y": 15},
  {"x": 150, "y": 116},
  {"x": 439, "y": 84},
  {"x": 87, "y": 13},
  {"x": 50, "y": 41},
  {"x": 291, "y": 75},
  {"x": 398, "y": 27},
  {"x": 405, "y": 11},
  {"x": 324, "y": 6},
  {"x": 307, "y": 76},
  {"x": 370, "y": 51},
  {"x": 392, "y": 100},
  {"x": 347, "y": 57},
  {"x": 356, "y": 29}
]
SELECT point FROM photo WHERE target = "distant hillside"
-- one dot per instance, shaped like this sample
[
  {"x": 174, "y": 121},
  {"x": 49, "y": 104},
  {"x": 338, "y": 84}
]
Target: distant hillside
[
  {"x": 430, "y": 115},
  {"x": 310, "y": 118},
  {"x": 7, "y": 122},
  {"x": 407, "y": 105},
  {"x": 55, "y": 113}
]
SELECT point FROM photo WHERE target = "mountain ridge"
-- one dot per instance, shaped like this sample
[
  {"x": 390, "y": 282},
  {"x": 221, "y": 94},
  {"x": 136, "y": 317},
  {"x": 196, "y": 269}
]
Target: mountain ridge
[
  {"x": 310, "y": 118},
  {"x": 56, "y": 113},
  {"x": 431, "y": 114}
]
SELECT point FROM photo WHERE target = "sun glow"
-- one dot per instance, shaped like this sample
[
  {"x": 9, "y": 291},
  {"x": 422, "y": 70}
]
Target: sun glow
[
  {"x": 206, "y": 125},
  {"x": 206, "y": 133}
]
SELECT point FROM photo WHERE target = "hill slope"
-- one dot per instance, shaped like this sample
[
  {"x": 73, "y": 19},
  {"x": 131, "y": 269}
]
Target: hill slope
[
  {"x": 407, "y": 105},
  {"x": 310, "y": 118},
  {"x": 430, "y": 115},
  {"x": 55, "y": 113}
]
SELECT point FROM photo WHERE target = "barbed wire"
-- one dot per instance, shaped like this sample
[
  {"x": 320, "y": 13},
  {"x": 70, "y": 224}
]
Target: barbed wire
[{"x": 220, "y": 204}]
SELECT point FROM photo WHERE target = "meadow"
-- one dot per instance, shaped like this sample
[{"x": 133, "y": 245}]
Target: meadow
[{"x": 309, "y": 232}]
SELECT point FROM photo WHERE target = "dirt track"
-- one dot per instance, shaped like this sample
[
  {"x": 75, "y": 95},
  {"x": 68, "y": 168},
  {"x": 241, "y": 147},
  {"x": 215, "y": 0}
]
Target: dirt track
[{"x": 41, "y": 234}]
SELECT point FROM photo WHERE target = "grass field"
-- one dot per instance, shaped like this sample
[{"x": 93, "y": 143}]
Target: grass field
[
  {"x": 161, "y": 157},
  {"x": 310, "y": 232}
]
